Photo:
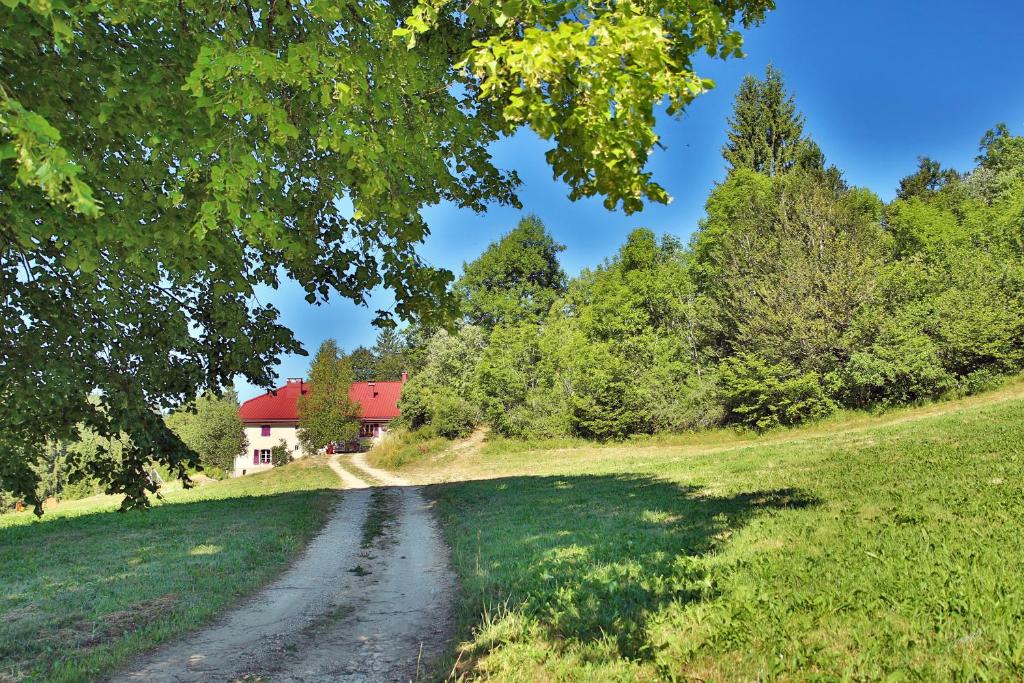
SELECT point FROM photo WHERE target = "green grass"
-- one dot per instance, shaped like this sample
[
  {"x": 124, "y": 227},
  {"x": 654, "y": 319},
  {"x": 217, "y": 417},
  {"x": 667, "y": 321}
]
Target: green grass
[
  {"x": 85, "y": 588},
  {"x": 379, "y": 517},
  {"x": 867, "y": 548},
  {"x": 401, "y": 447}
]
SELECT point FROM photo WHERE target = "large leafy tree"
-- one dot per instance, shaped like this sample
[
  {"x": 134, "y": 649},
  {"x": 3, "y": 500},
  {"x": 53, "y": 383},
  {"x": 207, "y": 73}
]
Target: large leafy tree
[
  {"x": 214, "y": 430},
  {"x": 160, "y": 161},
  {"x": 515, "y": 280},
  {"x": 325, "y": 412}
]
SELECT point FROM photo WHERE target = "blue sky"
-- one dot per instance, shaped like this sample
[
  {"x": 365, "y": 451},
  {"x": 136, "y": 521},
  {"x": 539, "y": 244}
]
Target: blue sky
[{"x": 880, "y": 82}]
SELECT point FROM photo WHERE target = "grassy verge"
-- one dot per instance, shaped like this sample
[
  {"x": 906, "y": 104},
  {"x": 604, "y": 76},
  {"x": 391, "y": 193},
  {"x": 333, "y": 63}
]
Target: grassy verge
[
  {"x": 85, "y": 587},
  {"x": 867, "y": 548},
  {"x": 401, "y": 447}
]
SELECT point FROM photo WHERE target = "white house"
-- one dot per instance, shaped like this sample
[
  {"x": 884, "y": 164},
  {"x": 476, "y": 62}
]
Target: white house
[{"x": 274, "y": 416}]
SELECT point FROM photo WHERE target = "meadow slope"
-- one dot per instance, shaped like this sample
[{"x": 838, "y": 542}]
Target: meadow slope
[{"x": 861, "y": 548}]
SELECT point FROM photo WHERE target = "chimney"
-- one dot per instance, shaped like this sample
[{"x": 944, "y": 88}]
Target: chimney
[
  {"x": 373, "y": 388},
  {"x": 405, "y": 376}
]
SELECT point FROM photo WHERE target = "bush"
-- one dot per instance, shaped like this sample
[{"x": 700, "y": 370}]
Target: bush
[
  {"x": 980, "y": 380},
  {"x": 763, "y": 395},
  {"x": 280, "y": 454},
  {"x": 900, "y": 367},
  {"x": 451, "y": 416}
]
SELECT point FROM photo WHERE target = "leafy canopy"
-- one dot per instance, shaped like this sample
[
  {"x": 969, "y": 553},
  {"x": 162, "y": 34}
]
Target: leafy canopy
[
  {"x": 161, "y": 161},
  {"x": 515, "y": 280}
]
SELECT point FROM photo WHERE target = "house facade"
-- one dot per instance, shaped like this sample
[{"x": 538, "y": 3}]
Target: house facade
[{"x": 274, "y": 416}]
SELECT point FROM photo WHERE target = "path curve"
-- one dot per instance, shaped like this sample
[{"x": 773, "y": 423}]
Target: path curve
[{"x": 322, "y": 621}]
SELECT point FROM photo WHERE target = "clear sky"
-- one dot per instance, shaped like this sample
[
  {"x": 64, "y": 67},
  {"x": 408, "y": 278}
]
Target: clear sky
[{"x": 879, "y": 81}]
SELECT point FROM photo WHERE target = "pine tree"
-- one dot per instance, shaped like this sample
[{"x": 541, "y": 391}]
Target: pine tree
[
  {"x": 364, "y": 364},
  {"x": 766, "y": 130},
  {"x": 325, "y": 413},
  {"x": 389, "y": 356}
]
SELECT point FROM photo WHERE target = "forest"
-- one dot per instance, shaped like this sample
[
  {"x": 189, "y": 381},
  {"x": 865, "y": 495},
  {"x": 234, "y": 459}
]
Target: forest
[{"x": 797, "y": 296}]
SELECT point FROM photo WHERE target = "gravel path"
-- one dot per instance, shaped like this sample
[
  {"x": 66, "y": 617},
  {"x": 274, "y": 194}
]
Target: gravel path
[{"x": 341, "y": 612}]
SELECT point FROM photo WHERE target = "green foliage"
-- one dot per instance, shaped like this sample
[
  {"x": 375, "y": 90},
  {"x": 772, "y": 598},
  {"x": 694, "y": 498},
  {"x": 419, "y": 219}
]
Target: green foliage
[
  {"x": 280, "y": 454},
  {"x": 325, "y": 412},
  {"x": 506, "y": 374},
  {"x": 765, "y": 130},
  {"x": 515, "y": 280},
  {"x": 451, "y": 415},
  {"x": 786, "y": 263},
  {"x": 444, "y": 388},
  {"x": 161, "y": 162},
  {"x": 389, "y": 353},
  {"x": 902, "y": 365},
  {"x": 364, "y": 365},
  {"x": 213, "y": 431},
  {"x": 385, "y": 362},
  {"x": 929, "y": 179},
  {"x": 572, "y": 77},
  {"x": 764, "y": 395}
]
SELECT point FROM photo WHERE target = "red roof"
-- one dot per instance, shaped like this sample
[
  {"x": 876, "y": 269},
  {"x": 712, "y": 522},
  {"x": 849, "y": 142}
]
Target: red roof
[{"x": 377, "y": 401}]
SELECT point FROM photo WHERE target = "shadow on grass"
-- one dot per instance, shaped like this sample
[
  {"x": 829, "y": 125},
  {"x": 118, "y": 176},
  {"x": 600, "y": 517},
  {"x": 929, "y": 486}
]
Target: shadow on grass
[{"x": 590, "y": 558}]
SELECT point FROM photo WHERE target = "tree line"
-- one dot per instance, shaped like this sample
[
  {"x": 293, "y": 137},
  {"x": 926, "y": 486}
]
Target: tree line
[{"x": 797, "y": 295}]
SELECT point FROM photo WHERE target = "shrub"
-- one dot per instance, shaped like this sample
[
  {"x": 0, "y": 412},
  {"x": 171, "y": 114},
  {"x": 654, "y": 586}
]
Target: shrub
[
  {"x": 763, "y": 395},
  {"x": 451, "y": 416},
  {"x": 401, "y": 446},
  {"x": 280, "y": 454},
  {"x": 900, "y": 367}
]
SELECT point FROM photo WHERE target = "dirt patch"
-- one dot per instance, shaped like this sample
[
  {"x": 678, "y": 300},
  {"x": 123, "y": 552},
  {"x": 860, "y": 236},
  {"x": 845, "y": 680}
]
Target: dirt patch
[{"x": 115, "y": 624}]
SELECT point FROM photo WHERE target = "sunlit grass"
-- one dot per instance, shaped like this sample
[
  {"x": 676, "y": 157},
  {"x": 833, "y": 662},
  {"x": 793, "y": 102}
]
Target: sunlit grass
[
  {"x": 864, "y": 548},
  {"x": 86, "y": 587}
]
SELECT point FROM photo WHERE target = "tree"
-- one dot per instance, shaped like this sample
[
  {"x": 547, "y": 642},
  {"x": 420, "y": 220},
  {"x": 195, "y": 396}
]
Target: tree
[
  {"x": 766, "y": 130},
  {"x": 786, "y": 265},
  {"x": 159, "y": 162},
  {"x": 514, "y": 280},
  {"x": 930, "y": 177},
  {"x": 444, "y": 390},
  {"x": 364, "y": 364},
  {"x": 325, "y": 412},
  {"x": 280, "y": 454},
  {"x": 389, "y": 353},
  {"x": 214, "y": 430}
]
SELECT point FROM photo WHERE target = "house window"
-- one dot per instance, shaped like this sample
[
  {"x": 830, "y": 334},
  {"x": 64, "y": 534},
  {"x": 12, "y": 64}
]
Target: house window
[
  {"x": 265, "y": 430},
  {"x": 296, "y": 446},
  {"x": 367, "y": 430},
  {"x": 265, "y": 455}
]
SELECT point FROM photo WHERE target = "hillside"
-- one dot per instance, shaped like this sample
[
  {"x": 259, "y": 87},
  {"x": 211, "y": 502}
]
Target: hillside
[{"x": 858, "y": 548}]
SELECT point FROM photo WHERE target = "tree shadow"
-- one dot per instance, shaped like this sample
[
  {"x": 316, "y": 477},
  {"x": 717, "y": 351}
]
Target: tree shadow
[{"x": 592, "y": 558}]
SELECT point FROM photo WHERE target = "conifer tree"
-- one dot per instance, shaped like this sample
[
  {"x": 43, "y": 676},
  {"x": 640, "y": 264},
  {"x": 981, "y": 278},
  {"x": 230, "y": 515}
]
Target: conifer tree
[
  {"x": 389, "y": 355},
  {"x": 325, "y": 413},
  {"x": 766, "y": 130}
]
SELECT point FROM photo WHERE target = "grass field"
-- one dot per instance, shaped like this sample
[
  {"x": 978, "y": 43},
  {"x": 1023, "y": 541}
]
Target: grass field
[
  {"x": 864, "y": 548},
  {"x": 85, "y": 588}
]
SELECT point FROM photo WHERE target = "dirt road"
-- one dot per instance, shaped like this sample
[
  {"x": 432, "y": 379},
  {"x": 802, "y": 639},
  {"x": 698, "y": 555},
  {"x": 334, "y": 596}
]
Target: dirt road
[{"x": 369, "y": 600}]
